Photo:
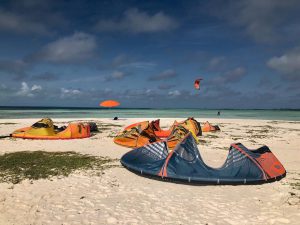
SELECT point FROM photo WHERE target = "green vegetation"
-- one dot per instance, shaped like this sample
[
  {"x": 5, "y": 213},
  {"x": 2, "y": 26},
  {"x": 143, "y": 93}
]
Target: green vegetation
[{"x": 17, "y": 166}]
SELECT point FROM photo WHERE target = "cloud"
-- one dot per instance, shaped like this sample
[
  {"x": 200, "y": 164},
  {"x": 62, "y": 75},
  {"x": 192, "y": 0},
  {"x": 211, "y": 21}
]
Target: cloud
[
  {"x": 216, "y": 63},
  {"x": 263, "y": 20},
  {"x": 166, "y": 75},
  {"x": 231, "y": 76},
  {"x": 69, "y": 93},
  {"x": 31, "y": 17},
  {"x": 174, "y": 93},
  {"x": 287, "y": 64},
  {"x": 136, "y": 21},
  {"x": 27, "y": 91},
  {"x": 119, "y": 60},
  {"x": 17, "y": 23},
  {"x": 124, "y": 61},
  {"x": 116, "y": 75},
  {"x": 36, "y": 87},
  {"x": 221, "y": 97},
  {"x": 71, "y": 49},
  {"x": 139, "y": 94}
]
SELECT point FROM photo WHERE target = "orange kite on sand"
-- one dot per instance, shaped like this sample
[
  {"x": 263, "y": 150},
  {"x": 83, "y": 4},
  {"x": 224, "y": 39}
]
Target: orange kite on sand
[
  {"x": 45, "y": 129},
  {"x": 109, "y": 103},
  {"x": 142, "y": 133},
  {"x": 207, "y": 127}
]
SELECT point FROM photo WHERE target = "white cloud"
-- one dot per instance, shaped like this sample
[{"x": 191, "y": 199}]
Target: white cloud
[
  {"x": 36, "y": 88},
  {"x": 149, "y": 92},
  {"x": 136, "y": 21},
  {"x": 80, "y": 46},
  {"x": 69, "y": 93},
  {"x": 116, "y": 75},
  {"x": 287, "y": 64},
  {"x": 174, "y": 93},
  {"x": 27, "y": 91}
]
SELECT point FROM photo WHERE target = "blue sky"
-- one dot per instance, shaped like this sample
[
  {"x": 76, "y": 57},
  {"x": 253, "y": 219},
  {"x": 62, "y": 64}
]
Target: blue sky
[{"x": 148, "y": 53}]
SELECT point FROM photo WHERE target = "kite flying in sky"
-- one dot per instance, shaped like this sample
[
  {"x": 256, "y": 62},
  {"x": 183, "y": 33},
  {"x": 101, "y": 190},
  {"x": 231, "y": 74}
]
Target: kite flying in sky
[{"x": 197, "y": 83}]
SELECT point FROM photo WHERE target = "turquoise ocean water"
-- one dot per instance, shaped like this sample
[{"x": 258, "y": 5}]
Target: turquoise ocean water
[{"x": 40, "y": 112}]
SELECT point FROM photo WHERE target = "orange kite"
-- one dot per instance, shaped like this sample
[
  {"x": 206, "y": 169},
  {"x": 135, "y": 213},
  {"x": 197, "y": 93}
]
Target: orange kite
[{"x": 109, "y": 103}]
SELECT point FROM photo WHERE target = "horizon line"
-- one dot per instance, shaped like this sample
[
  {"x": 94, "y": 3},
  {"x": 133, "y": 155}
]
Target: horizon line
[{"x": 142, "y": 108}]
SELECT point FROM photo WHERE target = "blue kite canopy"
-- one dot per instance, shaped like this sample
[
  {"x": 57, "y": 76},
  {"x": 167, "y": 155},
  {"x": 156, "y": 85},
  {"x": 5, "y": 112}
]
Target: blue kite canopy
[{"x": 184, "y": 163}]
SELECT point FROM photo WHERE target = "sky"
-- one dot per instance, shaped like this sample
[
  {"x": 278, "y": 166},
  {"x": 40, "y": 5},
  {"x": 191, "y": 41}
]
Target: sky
[{"x": 147, "y": 54}]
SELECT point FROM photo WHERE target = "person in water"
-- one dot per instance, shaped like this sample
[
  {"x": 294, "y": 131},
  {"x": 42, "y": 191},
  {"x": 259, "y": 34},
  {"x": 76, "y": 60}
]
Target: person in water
[{"x": 219, "y": 113}]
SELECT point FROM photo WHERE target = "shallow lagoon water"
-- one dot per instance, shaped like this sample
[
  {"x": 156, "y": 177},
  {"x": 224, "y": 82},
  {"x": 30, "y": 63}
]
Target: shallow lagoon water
[{"x": 23, "y": 112}]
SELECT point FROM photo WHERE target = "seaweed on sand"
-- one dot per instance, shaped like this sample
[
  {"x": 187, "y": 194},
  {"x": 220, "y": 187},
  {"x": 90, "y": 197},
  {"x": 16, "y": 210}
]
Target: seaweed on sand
[{"x": 34, "y": 165}]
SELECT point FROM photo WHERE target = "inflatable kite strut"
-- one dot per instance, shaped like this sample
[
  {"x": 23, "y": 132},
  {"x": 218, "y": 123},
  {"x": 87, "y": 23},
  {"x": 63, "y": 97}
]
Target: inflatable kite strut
[{"x": 184, "y": 163}]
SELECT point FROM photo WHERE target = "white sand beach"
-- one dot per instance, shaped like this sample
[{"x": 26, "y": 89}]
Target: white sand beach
[{"x": 119, "y": 196}]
